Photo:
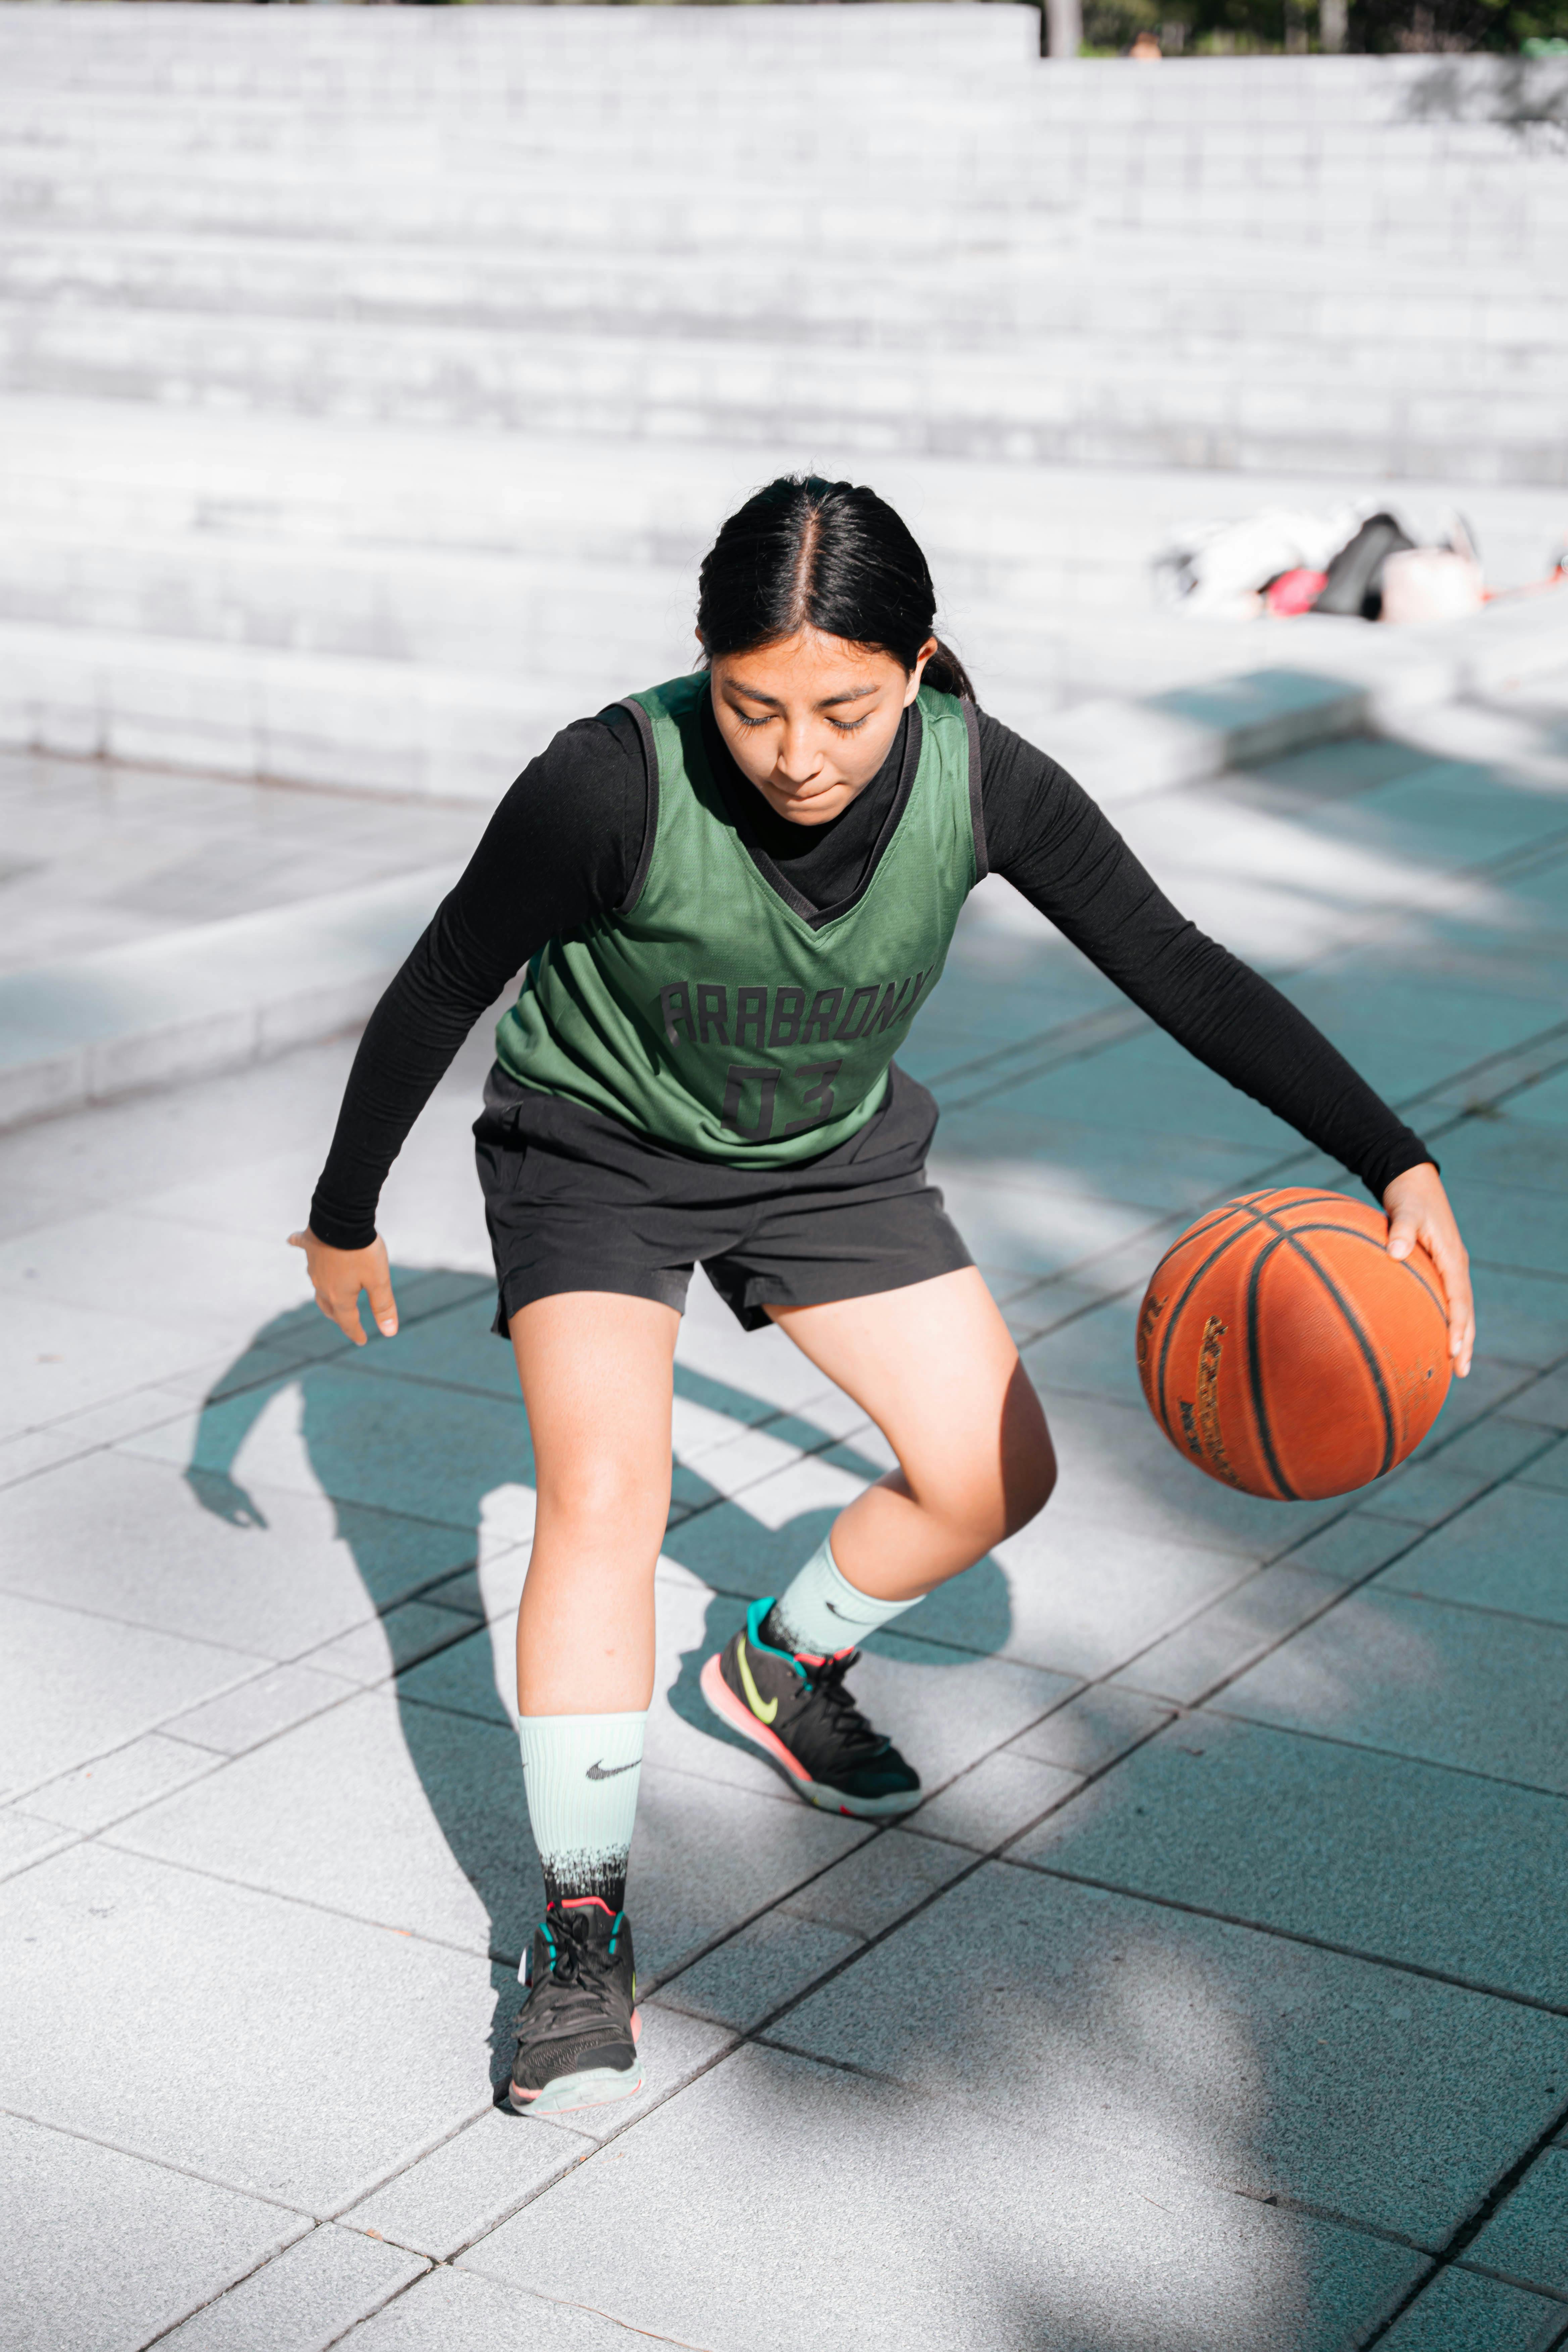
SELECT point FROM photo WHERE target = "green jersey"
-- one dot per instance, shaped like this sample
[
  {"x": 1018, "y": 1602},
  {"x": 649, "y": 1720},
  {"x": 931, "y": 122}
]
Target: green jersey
[{"x": 710, "y": 1013}]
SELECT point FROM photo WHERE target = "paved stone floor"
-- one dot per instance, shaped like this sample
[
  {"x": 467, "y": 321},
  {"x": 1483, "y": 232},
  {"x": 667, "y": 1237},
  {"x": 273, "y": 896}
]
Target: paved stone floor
[
  {"x": 97, "y": 855},
  {"x": 1217, "y": 1999}
]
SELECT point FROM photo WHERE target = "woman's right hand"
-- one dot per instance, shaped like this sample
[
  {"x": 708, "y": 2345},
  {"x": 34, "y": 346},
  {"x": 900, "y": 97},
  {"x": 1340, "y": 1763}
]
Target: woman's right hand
[{"x": 338, "y": 1276}]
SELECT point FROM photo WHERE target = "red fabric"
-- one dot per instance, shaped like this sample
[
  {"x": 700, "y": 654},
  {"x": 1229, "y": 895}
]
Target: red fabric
[{"x": 1295, "y": 592}]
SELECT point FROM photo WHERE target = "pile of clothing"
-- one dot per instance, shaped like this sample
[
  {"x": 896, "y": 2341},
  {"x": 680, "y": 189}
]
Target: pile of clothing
[{"x": 1360, "y": 562}]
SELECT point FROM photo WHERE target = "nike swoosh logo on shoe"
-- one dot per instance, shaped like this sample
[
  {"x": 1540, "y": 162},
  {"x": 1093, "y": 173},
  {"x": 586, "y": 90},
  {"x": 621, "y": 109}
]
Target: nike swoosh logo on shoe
[
  {"x": 765, "y": 1712},
  {"x": 597, "y": 1772}
]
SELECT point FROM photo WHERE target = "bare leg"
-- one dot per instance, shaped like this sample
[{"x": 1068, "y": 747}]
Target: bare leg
[
  {"x": 597, "y": 1379},
  {"x": 935, "y": 1368}
]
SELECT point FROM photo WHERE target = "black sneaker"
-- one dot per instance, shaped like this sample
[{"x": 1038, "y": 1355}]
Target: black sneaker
[
  {"x": 798, "y": 1711},
  {"x": 577, "y": 2029}
]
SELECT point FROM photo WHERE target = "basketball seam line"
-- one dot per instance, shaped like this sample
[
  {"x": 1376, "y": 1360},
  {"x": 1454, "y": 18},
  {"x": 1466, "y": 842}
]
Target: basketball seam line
[
  {"x": 1255, "y": 1373},
  {"x": 1253, "y": 1217},
  {"x": 1363, "y": 1342}
]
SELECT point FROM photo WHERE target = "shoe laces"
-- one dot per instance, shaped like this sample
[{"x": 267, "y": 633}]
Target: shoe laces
[
  {"x": 848, "y": 1724},
  {"x": 581, "y": 1968}
]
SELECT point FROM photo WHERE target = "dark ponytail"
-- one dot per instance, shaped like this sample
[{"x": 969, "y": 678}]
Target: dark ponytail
[{"x": 805, "y": 553}]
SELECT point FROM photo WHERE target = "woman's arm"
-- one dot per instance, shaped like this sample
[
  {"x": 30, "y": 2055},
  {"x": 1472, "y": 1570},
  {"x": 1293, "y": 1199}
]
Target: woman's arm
[
  {"x": 1061, "y": 850},
  {"x": 558, "y": 850}
]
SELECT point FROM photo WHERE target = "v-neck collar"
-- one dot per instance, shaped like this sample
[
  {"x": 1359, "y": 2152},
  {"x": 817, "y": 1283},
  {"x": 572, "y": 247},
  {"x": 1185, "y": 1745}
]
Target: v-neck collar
[{"x": 738, "y": 796}]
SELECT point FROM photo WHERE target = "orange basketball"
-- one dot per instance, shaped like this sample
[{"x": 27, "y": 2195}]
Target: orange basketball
[{"x": 1285, "y": 1352}]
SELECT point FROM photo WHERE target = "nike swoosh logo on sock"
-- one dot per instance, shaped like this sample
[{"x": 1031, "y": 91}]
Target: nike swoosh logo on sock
[
  {"x": 837, "y": 1612},
  {"x": 597, "y": 1772}
]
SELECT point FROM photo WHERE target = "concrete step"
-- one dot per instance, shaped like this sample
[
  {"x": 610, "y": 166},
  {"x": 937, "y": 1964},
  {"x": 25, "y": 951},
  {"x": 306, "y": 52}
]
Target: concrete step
[
  {"x": 174, "y": 47},
  {"x": 102, "y": 475},
  {"x": 243, "y": 710},
  {"x": 502, "y": 615},
  {"x": 214, "y": 996},
  {"x": 854, "y": 116},
  {"x": 1105, "y": 405},
  {"x": 1109, "y": 286},
  {"x": 385, "y": 725},
  {"x": 852, "y": 122},
  {"x": 1395, "y": 201},
  {"x": 674, "y": 210}
]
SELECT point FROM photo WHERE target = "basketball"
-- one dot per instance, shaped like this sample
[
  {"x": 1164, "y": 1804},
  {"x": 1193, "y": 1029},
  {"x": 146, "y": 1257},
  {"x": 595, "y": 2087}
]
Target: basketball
[{"x": 1285, "y": 1353}]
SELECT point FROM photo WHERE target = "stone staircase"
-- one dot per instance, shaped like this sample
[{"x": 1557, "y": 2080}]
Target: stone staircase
[{"x": 370, "y": 381}]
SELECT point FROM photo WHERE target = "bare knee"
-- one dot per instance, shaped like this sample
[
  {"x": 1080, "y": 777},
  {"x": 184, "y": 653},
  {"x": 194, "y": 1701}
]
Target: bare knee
[
  {"x": 980, "y": 1497},
  {"x": 605, "y": 1504}
]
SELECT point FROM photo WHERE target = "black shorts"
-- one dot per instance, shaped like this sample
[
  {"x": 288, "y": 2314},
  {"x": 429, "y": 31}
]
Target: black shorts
[{"x": 579, "y": 1201}]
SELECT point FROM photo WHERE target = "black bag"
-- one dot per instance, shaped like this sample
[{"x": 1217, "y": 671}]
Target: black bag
[{"x": 1354, "y": 583}]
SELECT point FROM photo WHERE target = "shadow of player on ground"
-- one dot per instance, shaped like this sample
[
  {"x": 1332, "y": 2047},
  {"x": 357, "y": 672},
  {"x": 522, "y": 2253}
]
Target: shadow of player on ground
[{"x": 367, "y": 1434}]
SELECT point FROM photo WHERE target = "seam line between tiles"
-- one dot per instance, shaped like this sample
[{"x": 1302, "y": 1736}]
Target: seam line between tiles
[
  {"x": 1289, "y": 1935},
  {"x": 1471, "y": 2229},
  {"x": 158, "y": 2163}
]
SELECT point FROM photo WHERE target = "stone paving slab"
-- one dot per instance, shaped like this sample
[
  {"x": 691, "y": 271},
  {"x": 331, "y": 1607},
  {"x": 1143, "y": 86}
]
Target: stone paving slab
[
  {"x": 1419, "y": 1866},
  {"x": 27, "y": 1452},
  {"x": 305, "y": 2300},
  {"x": 1545, "y": 1402},
  {"x": 449, "y": 2311},
  {"x": 1507, "y": 1151},
  {"x": 62, "y": 1359},
  {"x": 1527, "y": 2238},
  {"x": 1504, "y": 1553},
  {"x": 254, "y": 1712},
  {"x": 217, "y": 1286},
  {"x": 463, "y": 2189},
  {"x": 1220, "y": 2053},
  {"x": 879, "y": 1884},
  {"x": 946, "y": 2227},
  {"x": 1017, "y": 1122},
  {"x": 209, "y": 1980},
  {"x": 27, "y": 1838},
  {"x": 162, "y": 2241},
  {"x": 412, "y": 1817},
  {"x": 216, "y": 996},
  {"x": 771, "y": 1962},
  {"x": 1449, "y": 1470},
  {"x": 1092, "y": 1730},
  {"x": 273, "y": 1570},
  {"x": 76, "y": 1686},
  {"x": 1223, "y": 1639},
  {"x": 1461, "y": 2312},
  {"x": 994, "y": 1801},
  {"x": 1420, "y": 1678},
  {"x": 1550, "y": 1470},
  {"x": 399, "y": 1446},
  {"x": 97, "y": 1794}
]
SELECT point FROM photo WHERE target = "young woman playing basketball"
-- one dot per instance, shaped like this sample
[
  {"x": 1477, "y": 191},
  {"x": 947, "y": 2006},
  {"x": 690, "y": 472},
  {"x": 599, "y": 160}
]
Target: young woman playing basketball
[{"x": 732, "y": 895}]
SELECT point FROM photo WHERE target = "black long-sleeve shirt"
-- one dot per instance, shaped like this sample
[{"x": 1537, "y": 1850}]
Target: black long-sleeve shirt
[{"x": 563, "y": 847}]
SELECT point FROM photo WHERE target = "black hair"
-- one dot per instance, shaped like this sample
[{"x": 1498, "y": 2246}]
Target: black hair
[{"x": 804, "y": 551}]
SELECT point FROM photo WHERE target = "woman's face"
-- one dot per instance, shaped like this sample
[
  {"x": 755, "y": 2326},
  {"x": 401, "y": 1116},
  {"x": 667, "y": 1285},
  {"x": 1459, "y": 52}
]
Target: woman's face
[{"x": 810, "y": 721}]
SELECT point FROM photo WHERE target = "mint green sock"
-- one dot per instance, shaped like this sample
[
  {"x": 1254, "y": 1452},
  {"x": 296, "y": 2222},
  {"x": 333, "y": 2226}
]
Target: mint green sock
[
  {"x": 820, "y": 1611},
  {"x": 582, "y": 1773}
]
